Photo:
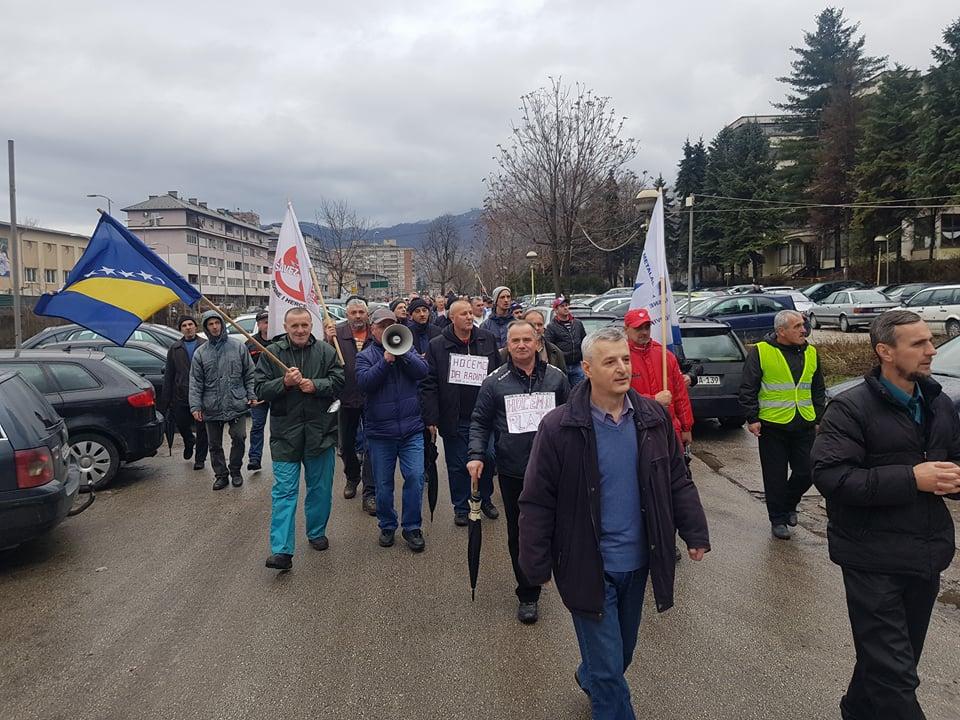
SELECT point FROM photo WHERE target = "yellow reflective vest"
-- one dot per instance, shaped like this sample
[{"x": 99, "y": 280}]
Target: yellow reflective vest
[{"x": 780, "y": 398}]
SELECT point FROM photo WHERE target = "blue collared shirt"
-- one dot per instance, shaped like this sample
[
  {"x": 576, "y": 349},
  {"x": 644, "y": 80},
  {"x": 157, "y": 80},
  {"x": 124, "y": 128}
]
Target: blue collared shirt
[
  {"x": 602, "y": 416},
  {"x": 913, "y": 403}
]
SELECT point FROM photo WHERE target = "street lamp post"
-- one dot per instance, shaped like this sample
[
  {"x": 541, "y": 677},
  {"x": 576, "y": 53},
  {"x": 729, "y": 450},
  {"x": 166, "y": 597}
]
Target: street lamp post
[
  {"x": 109, "y": 202},
  {"x": 689, "y": 203},
  {"x": 532, "y": 256},
  {"x": 886, "y": 251}
]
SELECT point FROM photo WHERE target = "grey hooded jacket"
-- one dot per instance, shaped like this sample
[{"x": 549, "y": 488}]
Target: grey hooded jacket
[{"x": 221, "y": 376}]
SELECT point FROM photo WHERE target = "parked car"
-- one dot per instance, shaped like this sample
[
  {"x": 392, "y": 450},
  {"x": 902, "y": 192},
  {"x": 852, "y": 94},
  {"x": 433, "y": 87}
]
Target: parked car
[
  {"x": 850, "y": 309},
  {"x": 599, "y": 320},
  {"x": 945, "y": 369},
  {"x": 716, "y": 347},
  {"x": 779, "y": 289},
  {"x": 902, "y": 293},
  {"x": 750, "y": 316},
  {"x": 800, "y": 301},
  {"x": 38, "y": 484},
  {"x": 818, "y": 291},
  {"x": 110, "y": 411},
  {"x": 145, "y": 359},
  {"x": 939, "y": 307},
  {"x": 605, "y": 303},
  {"x": 618, "y": 291},
  {"x": 147, "y": 332}
]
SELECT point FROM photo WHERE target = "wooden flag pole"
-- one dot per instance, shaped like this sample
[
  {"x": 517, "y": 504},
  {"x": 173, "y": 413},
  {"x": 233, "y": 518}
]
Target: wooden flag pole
[
  {"x": 664, "y": 318},
  {"x": 326, "y": 313},
  {"x": 276, "y": 361}
]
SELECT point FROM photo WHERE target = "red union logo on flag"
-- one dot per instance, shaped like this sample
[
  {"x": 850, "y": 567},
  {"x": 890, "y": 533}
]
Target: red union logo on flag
[{"x": 286, "y": 274}]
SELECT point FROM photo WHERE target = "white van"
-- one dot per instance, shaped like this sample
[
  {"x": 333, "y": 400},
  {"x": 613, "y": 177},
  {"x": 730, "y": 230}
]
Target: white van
[{"x": 939, "y": 307}]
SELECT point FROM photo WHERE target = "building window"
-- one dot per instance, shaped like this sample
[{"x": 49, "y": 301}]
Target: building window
[
  {"x": 192, "y": 278},
  {"x": 923, "y": 228},
  {"x": 191, "y": 238},
  {"x": 203, "y": 241},
  {"x": 192, "y": 260},
  {"x": 233, "y": 247},
  {"x": 950, "y": 230},
  {"x": 50, "y": 276},
  {"x": 66, "y": 274},
  {"x": 30, "y": 274}
]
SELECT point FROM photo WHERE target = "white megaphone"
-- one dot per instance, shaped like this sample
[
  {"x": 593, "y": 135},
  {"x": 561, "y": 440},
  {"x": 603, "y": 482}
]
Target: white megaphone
[{"x": 397, "y": 339}]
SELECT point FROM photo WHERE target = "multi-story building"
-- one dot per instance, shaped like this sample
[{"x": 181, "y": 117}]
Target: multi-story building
[
  {"x": 390, "y": 261},
  {"x": 46, "y": 258},
  {"x": 225, "y": 254}
]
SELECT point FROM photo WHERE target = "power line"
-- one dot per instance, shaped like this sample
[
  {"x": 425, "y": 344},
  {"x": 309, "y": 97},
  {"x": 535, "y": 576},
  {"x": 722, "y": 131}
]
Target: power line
[{"x": 874, "y": 204}]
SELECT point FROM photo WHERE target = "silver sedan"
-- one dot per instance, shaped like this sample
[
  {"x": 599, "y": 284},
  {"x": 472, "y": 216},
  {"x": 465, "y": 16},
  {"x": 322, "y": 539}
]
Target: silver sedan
[{"x": 849, "y": 309}]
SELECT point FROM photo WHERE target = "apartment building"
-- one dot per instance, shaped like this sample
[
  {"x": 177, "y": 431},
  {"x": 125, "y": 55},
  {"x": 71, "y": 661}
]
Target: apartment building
[
  {"x": 46, "y": 258},
  {"x": 388, "y": 261},
  {"x": 224, "y": 253}
]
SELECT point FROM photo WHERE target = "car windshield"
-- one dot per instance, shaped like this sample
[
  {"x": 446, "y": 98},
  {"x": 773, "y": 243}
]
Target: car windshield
[
  {"x": 719, "y": 347},
  {"x": 702, "y": 307},
  {"x": 947, "y": 359},
  {"x": 590, "y": 323},
  {"x": 869, "y": 296}
]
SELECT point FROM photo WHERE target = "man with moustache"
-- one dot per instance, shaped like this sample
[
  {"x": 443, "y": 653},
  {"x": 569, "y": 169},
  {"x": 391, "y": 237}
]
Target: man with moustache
[
  {"x": 566, "y": 332},
  {"x": 175, "y": 397}
]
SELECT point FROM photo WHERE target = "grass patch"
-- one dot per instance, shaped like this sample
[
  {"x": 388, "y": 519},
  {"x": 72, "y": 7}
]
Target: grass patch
[{"x": 842, "y": 360}]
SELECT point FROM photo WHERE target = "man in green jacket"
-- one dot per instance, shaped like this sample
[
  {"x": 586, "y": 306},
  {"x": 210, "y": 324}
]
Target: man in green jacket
[{"x": 301, "y": 431}]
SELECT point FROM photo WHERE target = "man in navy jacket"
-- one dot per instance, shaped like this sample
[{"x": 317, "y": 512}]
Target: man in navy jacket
[{"x": 393, "y": 426}]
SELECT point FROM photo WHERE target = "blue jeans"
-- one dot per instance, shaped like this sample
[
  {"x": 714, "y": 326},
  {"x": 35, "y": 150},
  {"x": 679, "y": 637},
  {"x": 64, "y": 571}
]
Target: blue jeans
[
  {"x": 455, "y": 454},
  {"x": 383, "y": 454},
  {"x": 575, "y": 374},
  {"x": 259, "y": 415},
  {"x": 318, "y": 475},
  {"x": 607, "y": 644}
]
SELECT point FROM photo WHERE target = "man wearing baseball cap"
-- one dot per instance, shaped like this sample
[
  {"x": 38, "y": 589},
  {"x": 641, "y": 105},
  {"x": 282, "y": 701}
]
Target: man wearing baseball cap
[
  {"x": 646, "y": 361},
  {"x": 567, "y": 333},
  {"x": 259, "y": 410}
]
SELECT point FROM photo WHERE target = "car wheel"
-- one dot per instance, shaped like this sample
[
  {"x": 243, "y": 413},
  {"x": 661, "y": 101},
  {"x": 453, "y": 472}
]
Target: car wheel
[
  {"x": 953, "y": 328},
  {"x": 96, "y": 458},
  {"x": 844, "y": 325},
  {"x": 813, "y": 322},
  {"x": 732, "y": 421}
]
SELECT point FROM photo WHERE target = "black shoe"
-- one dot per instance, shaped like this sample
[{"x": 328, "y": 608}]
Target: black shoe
[
  {"x": 253, "y": 465},
  {"x": 198, "y": 464},
  {"x": 792, "y": 519},
  {"x": 350, "y": 489},
  {"x": 370, "y": 504},
  {"x": 237, "y": 480},
  {"x": 319, "y": 543},
  {"x": 280, "y": 561},
  {"x": 414, "y": 540},
  {"x": 460, "y": 520},
  {"x": 580, "y": 684},
  {"x": 780, "y": 531},
  {"x": 386, "y": 538},
  {"x": 527, "y": 613},
  {"x": 187, "y": 452},
  {"x": 220, "y": 483},
  {"x": 489, "y": 509}
]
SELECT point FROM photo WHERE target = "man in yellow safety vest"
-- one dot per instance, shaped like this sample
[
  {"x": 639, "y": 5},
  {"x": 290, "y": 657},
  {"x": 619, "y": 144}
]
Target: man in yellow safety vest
[{"x": 783, "y": 397}]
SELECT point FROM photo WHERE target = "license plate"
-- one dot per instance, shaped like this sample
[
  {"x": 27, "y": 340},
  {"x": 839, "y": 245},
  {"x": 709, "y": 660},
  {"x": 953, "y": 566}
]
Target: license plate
[{"x": 708, "y": 380}]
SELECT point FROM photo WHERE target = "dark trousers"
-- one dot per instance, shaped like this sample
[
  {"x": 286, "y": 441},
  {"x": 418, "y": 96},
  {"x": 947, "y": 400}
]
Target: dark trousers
[
  {"x": 889, "y": 615},
  {"x": 258, "y": 414},
  {"x": 349, "y": 421},
  {"x": 455, "y": 449},
  {"x": 510, "y": 488},
  {"x": 185, "y": 426},
  {"x": 780, "y": 447},
  {"x": 237, "y": 428},
  {"x": 430, "y": 455}
]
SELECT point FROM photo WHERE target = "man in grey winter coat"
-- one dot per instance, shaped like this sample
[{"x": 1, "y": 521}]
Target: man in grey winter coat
[{"x": 221, "y": 392}]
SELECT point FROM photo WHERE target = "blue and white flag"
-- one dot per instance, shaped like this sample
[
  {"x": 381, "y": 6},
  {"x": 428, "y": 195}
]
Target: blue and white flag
[{"x": 646, "y": 288}]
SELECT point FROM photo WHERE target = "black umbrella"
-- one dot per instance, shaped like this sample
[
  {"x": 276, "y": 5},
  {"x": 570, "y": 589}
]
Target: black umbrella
[
  {"x": 431, "y": 473},
  {"x": 474, "y": 536},
  {"x": 169, "y": 430}
]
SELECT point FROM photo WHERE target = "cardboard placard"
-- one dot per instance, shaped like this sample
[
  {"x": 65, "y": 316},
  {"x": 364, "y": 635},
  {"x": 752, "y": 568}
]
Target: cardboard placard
[
  {"x": 467, "y": 369},
  {"x": 524, "y": 412}
]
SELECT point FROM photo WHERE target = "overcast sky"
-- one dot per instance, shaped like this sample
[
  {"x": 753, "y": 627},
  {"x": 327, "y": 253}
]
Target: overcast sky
[{"x": 396, "y": 107}]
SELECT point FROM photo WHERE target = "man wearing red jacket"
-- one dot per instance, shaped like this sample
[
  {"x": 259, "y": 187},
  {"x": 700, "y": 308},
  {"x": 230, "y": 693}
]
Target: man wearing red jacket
[{"x": 646, "y": 361}]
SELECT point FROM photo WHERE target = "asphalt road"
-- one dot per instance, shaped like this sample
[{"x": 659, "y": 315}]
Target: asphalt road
[{"x": 156, "y": 604}]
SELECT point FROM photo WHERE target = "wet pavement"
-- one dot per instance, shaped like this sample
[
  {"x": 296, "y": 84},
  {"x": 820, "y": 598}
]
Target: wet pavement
[{"x": 155, "y": 604}]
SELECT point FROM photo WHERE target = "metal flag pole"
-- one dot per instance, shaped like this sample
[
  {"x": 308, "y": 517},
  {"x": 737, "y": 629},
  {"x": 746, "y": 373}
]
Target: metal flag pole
[{"x": 14, "y": 249}]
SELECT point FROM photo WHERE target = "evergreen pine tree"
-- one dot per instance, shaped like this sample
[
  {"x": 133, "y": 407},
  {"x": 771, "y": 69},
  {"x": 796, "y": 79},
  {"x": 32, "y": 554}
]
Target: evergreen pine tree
[
  {"x": 938, "y": 160},
  {"x": 691, "y": 175}
]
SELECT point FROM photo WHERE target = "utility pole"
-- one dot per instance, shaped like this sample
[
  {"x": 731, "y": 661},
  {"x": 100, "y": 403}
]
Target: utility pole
[
  {"x": 14, "y": 251},
  {"x": 689, "y": 204}
]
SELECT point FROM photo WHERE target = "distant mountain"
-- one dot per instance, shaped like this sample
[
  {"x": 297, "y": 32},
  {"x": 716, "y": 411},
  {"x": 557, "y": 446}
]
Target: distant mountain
[{"x": 406, "y": 234}]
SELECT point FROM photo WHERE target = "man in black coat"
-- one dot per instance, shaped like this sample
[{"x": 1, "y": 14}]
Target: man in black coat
[
  {"x": 353, "y": 335},
  {"x": 567, "y": 333},
  {"x": 176, "y": 389},
  {"x": 604, "y": 494},
  {"x": 423, "y": 332},
  {"x": 885, "y": 456},
  {"x": 459, "y": 359},
  {"x": 512, "y": 400}
]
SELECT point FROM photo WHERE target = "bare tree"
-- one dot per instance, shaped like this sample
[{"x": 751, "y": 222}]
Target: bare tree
[
  {"x": 565, "y": 145},
  {"x": 342, "y": 232},
  {"x": 442, "y": 252}
]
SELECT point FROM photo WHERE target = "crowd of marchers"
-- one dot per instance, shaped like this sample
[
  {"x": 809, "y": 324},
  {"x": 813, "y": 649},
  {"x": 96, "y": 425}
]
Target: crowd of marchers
[{"x": 588, "y": 436}]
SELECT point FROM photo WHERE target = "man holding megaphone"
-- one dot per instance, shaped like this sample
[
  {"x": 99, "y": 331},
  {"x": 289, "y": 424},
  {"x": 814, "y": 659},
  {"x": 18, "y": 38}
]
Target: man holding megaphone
[{"x": 389, "y": 373}]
